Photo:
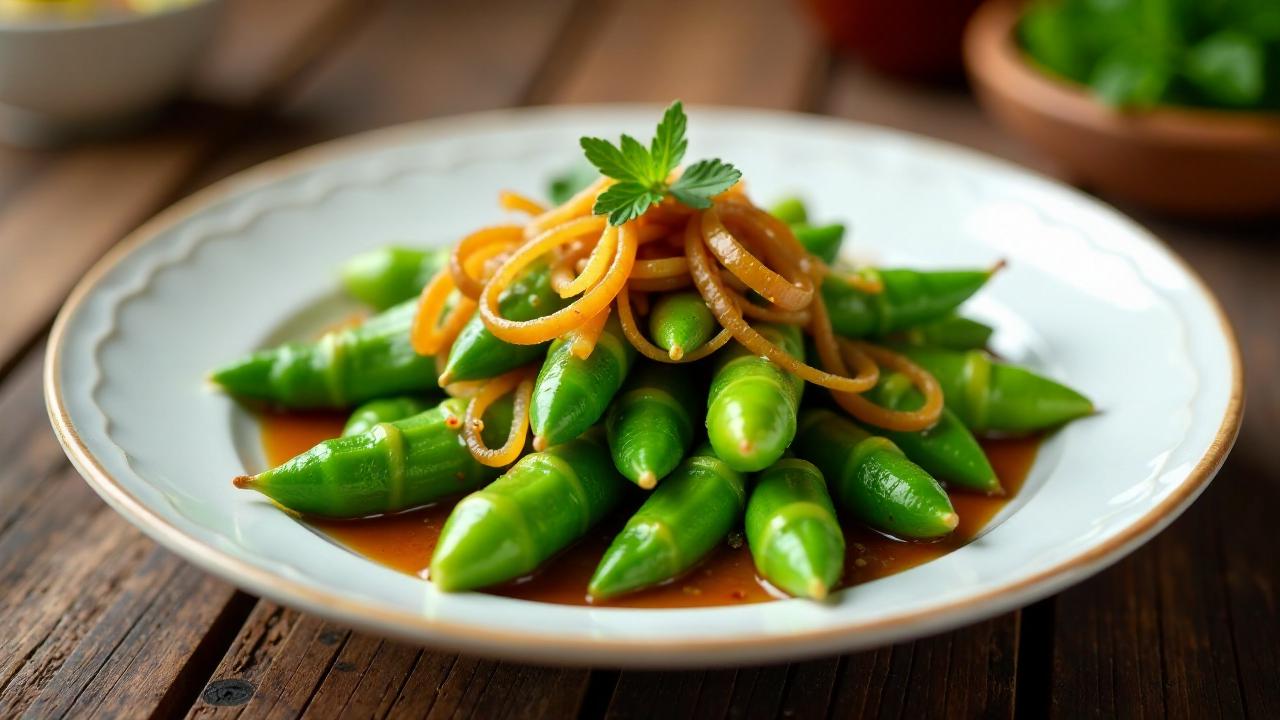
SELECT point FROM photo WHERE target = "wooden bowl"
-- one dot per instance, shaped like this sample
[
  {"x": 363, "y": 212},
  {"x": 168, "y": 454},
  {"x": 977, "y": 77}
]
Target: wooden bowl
[{"x": 1205, "y": 163}]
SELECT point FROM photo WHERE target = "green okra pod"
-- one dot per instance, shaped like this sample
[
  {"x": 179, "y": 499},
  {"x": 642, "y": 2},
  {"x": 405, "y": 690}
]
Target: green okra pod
[
  {"x": 995, "y": 397},
  {"x": 949, "y": 333},
  {"x": 948, "y": 451},
  {"x": 390, "y": 467},
  {"x": 681, "y": 322},
  {"x": 678, "y": 524},
  {"x": 382, "y": 410},
  {"x": 344, "y": 368},
  {"x": 909, "y": 298},
  {"x": 477, "y": 353},
  {"x": 822, "y": 240},
  {"x": 390, "y": 275},
  {"x": 651, "y": 422},
  {"x": 752, "y": 404},
  {"x": 543, "y": 503},
  {"x": 790, "y": 210},
  {"x": 791, "y": 524},
  {"x": 873, "y": 480},
  {"x": 572, "y": 393}
]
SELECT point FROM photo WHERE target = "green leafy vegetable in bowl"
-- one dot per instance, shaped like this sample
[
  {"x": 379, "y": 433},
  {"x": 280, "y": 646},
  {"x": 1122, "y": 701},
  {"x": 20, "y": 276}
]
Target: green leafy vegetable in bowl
[{"x": 1142, "y": 53}]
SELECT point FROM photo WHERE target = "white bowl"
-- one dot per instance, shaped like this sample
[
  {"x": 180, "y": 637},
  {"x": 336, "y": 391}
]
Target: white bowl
[
  {"x": 1089, "y": 297},
  {"x": 60, "y": 79}
]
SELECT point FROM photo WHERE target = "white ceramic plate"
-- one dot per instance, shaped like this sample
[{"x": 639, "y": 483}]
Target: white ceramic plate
[{"x": 1089, "y": 297}]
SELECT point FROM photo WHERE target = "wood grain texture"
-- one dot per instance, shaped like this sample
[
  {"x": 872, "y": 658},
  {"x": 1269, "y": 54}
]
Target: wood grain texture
[
  {"x": 739, "y": 52},
  {"x": 98, "y": 619},
  {"x": 944, "y": 111},
  {"x": 298, "y": 666},
  {"x": 967, "y": 673},
  {"x": 410, "y": 61}
]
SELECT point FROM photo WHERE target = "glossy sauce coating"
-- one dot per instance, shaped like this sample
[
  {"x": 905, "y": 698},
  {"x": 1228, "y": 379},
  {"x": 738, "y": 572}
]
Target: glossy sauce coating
[{"x": 404, "y": 542}]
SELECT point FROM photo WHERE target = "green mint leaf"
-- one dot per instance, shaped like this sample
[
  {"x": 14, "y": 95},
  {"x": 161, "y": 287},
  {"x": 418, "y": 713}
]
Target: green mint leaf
[
  {"x": 625, "y": 201},
  {"x": 703, "y": 180},
  {"x": 1229, "y": 67},
  {"x": 1050, "y": 32},
  {"x": 668, "y": 146},
  {"x": 638, "y": 160},
  {"x": 1130, "y": 77},
  {"x": 642, "y": 172},
  {"x": 608, "y": 159}
]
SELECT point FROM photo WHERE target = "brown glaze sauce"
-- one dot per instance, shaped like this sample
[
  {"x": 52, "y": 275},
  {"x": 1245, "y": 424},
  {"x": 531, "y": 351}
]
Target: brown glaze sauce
[{"x": 405, "y": 541}]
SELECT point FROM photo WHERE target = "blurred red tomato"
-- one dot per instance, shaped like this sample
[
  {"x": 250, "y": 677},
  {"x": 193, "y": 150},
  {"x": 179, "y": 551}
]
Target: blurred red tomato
[{"x": 917, "y": 39}]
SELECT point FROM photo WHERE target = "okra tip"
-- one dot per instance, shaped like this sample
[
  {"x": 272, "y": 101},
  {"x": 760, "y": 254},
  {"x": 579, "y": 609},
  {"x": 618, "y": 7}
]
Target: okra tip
[
  {"x": 949, "y": 520},
  {"x": 244, "y": 482},
  {"x": 445, "y": 378},
  {"x": 676, "y": 352},
  {"x": 539, "y": 443},
  {"x": 817, "y": 589},
  {"x": 997, "y": 267},
  {"x": 647, "y": 480}
]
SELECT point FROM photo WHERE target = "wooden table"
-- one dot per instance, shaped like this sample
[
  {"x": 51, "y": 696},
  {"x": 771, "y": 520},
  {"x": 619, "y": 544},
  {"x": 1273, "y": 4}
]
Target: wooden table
[{"x": 97, "y": 619}]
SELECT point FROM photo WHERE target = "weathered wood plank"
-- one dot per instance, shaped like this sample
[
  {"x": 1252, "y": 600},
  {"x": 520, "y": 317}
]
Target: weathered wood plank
[
  {"x": 947, "y": 112},
  {"x": 365, "y": 680},
  {"x": 655, "y": 694},
  {"x": 967, "y": 673},
  {"x": 449, "y": 57},
  {"x": 507, "y": 690},
  {"x": 87, "y": 600},
  {"x": 83, "y": 199},
  {"x": 260, "y": 55},
  {"x": 154, "y": 659},
  {"x": 425, "y": 680},
  {"x": 29, "y": 451},
  {"x": 412, "y": 61},
  {"x": 1200, "y": 668},
  {"x": 17, "y": 167},
  {"x": 810, "y": 688},
  {"x": 740, "y": 52},
  {"x": 284, "y": 665},
  {"x": 273, "y": 667},
  {"x": 146, "y": 616}
]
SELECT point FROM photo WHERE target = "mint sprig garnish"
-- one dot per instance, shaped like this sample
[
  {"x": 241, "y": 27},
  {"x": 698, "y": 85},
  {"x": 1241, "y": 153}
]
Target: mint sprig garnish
[{"x": 642, "y": 172}]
